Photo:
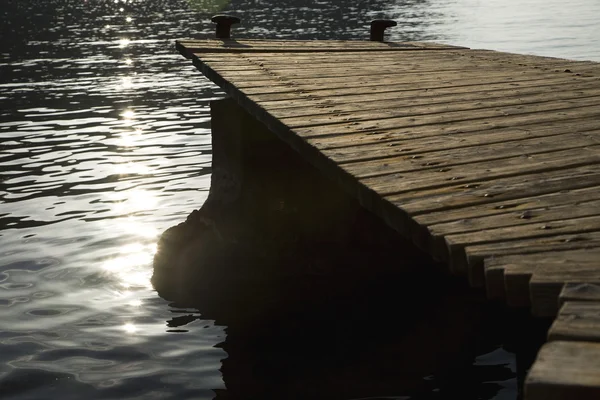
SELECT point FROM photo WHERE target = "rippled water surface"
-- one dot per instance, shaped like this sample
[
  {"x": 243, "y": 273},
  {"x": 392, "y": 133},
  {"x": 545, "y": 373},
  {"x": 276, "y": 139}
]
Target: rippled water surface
[{"x": 104, "y": 143}]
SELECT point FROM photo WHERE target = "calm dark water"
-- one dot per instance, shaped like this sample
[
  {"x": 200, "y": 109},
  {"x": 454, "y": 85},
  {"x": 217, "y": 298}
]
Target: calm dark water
[{"x": 104, "y": 143}]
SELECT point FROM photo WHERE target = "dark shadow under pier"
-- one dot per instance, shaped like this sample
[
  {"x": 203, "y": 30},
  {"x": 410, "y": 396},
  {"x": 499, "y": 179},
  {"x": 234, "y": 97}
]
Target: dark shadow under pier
[{"x": 321, "y": 299}]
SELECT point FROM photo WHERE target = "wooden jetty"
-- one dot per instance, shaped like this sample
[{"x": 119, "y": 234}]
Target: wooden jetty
[{"x": 489, "y": 161}]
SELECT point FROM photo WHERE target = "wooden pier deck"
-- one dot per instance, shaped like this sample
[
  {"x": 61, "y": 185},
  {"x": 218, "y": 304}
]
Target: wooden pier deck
[{"x": 488, "y": 161}]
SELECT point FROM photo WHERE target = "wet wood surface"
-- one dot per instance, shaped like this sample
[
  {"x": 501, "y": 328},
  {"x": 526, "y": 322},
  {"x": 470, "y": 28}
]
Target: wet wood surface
[{"x": 489, "y": 161}]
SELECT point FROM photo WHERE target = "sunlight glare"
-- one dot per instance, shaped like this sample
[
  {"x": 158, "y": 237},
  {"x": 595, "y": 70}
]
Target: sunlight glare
[
  {"x": 129, "y": 328},
  {"x": 124, "y": 43},
  {"x": 127, "y": 114},
  {"x": 126, "y": 82},
  {"x": 131, "y": 266},
  {"x": 128, "y": 19},
  {"x": 130, "y": 138},
  {"x": 135, "y": 303}
]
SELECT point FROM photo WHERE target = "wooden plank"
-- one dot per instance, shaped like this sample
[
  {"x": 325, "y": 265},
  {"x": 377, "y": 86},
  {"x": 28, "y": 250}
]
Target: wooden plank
[
  {"x": 532, "y": 61},
  {"x": 465, "y": 56},
  {"x": 494, "y": 279},
  {"x": 421, "y": 177},
  {"x": 535, "y": 215},
  {"x": 294, "y": 66},
  {"x": 292, "y": 57},
  {"x": 478, "y": 96},
  {"x": 397, "y": 60},
  {"x": 506, "y": 227},
  {"x": 457, "y": 244},
  {"x": 422, "y": 202},
  {"x": 236, "y": 73},
  {"x": 402, "y": 60},
  {"x": 568, "y": 242},
  {"x": 409, "y": 146},
  {"x": 403, "y": 108},
  {"x": 305, "y": 104},
  {"x": 469, "y": 59},
  {"x": 565, "y": 370},
  {"x": 578, "y": 321},
  {"x": 579, "y": 292},
  {"x": 187, "y": 47},
  {"x": 442, "y": 130},
  {"x": 513, "y": 273},
  {"x": 432, "y": 115},
  {"x": 378, "y": 91},
  {"x": 511, "y": 207},
  {"x": 362, "y": 77},
  {"x": 476, "y": 254},
  {"x": 452, "y": 158},
  {"x": 511, "y": 188},
  {"x": 546, "y": 284}
]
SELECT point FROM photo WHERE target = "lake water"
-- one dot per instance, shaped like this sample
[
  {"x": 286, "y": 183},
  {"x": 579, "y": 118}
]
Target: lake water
[{"x": 104, "y": 143}]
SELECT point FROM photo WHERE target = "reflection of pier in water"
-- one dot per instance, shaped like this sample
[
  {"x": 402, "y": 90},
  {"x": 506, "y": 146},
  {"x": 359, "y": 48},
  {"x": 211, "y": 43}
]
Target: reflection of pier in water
[{"x": 487, "y": 161}]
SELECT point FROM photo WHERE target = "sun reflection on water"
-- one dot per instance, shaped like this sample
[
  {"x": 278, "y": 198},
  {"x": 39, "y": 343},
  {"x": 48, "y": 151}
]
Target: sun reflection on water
[
  {"x": 127, "y": 114},
  {"x": 130, "y": 267},
  {"x": 129, "y": 328},
  {"x": 135, "y": 303},
  {"x": 131, "y": 138},
  {"x": 126, "y": 82}
]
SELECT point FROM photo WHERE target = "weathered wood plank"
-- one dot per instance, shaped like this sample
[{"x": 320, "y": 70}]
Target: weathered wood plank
[
  {"x": 460, "y": 142},
  {"x": 451, "y": 158},
  {"x": 449, "y": 131},
  {"x": 404, "y": 108},
  {"x": 300, "y": 60},
  {"x": 578, "y": 321},
  {"x": 468, "y": 58},
  {"x": 457, "y": 244},
  {"x": 533, "y": 215},
  {"x": 328, "y": 96},
  {"x": 546, "y": 284},
  {"x": 353, "y": 103},
  {"x": 579, "y": 292},
  {"x": 510, "y": 207},
  {"x": 565, "y": 370},
  {"x": 504, "y": 189},
  {"x": 421, "y": 176},
  {"x": 429, "y": 116},
  {"x": 506, "y": 227},
  {"x": 252, "y": 80},
  {"x": 241, "y": 75},
  {"x": 568, "y": 242},
  {"x": 511, "y": 275},
  {"x": 188, "y": 47}
]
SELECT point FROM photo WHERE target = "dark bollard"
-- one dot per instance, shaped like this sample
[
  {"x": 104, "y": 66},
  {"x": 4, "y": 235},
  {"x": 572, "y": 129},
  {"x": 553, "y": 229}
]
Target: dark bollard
[
  {"x": 378, "y": 27},
  {"x": 224, "y": 23}
]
